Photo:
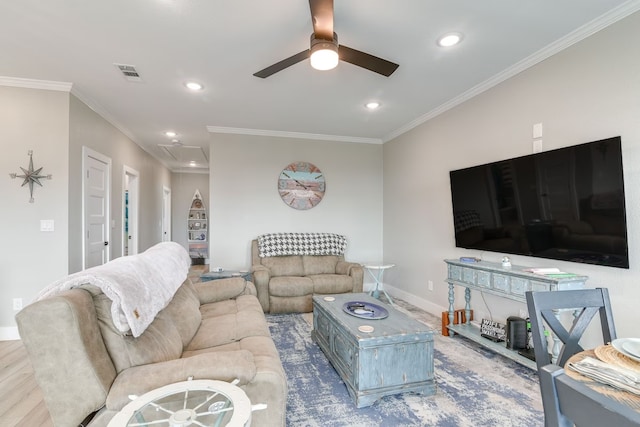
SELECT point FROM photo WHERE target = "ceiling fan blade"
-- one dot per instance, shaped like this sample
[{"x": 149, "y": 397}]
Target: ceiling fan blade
[
  {"x": 364, "y": 60},
  {"x": 322, "y": 18},
  {"x": 279, "y": 66}
]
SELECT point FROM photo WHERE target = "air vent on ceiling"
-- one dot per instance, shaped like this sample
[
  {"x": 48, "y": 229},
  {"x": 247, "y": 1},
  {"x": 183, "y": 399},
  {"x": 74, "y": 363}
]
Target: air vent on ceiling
[
  {"x": 129, "y": 72},
  {"x": 186, "y": 153}
]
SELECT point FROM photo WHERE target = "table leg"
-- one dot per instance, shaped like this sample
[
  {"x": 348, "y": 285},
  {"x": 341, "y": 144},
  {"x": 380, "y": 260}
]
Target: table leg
[
  {"x": 467, "y": 304},
  {"x": 451, "y": 300}
]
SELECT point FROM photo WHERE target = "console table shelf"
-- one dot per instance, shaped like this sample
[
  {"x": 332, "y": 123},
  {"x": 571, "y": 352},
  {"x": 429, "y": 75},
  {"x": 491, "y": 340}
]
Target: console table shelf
[{"x": 506, "y": 282}]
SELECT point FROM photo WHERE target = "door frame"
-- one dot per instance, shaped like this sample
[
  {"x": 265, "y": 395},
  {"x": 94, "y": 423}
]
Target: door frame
[
  {"x": 166, "y": 214},
  {"x": 130, "y": 183},
  {"x": 86, "y": 154}
]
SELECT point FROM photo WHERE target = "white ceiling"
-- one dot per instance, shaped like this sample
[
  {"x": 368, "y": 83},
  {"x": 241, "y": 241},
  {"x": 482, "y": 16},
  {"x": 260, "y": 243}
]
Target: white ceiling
[{"x": 221, "y": 43}]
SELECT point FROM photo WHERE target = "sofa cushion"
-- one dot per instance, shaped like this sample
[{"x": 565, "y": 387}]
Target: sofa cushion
[
  {"x": 237, "y": 319},
  {"x": 184, "y": 310},
  {"x": 284, "y": 265},
  {"x": 290, "y": 286},
  {"x": 320, "y": 264},
  {"x": 221, "y": 365},
  {"x": 160, "y": 342},
  {"x": 331, "y": 283},
  {"x": 223, "y": 289}
]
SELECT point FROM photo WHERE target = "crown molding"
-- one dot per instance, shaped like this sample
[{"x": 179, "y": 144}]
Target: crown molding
[
  {"x": 35, "y": 84},
  {"x": 609, "y": 18},
  {"x": 199, "y": 171},
  {"x": 299, "y": 135}
]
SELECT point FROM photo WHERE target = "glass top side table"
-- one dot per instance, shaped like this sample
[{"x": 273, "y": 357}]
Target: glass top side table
[
  {"x": 225, "y": 274},
  {"x": 206, "y": 403},
  {"x": 377, "y": 277}
]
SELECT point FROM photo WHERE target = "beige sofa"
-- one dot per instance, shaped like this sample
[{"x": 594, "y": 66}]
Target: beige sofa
[
  {"x": 286, "y": 284},
  {"x": 212, "y": 330}
]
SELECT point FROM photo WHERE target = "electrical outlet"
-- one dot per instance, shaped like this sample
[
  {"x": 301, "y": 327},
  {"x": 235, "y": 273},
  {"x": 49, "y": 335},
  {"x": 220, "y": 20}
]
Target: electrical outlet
[
  {"x": 17, "y": 303},
  {"x": 430, "y": 285}
]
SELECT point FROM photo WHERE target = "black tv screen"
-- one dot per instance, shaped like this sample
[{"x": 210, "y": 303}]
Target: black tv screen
[{"x": 566, "y": 204}]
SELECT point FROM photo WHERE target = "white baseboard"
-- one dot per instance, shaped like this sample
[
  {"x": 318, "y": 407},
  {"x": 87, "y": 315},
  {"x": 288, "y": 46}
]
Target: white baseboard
[
  {"x": 425, "y": 305},
  {"x": 9, "y": 333}
]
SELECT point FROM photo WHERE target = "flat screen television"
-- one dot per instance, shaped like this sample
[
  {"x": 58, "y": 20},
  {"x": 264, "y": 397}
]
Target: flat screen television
[{"x": 566, "y": 204}]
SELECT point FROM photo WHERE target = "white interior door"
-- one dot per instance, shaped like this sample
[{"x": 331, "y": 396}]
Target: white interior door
[
  {"x": 166, "y": 214},
  {"x": 130, "y": 203},
  {"x": 96, "y": 207}
]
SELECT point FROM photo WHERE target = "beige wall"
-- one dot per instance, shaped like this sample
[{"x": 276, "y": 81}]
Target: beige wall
[
  {"x": 89, "y": 129},
  {"x": 38, "y": 120},
  {"x": 55, "y": 125},
  {"x": 183, "y": 187},
  {"x": 585, "y": 93},
  {"x": 244, "y": 198}
]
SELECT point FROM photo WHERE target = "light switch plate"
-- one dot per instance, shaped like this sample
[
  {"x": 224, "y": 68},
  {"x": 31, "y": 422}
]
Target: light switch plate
[
  {"x": 537, "y": 146},
  {"x": 46, "y": 225},
  {"x": 537, "y": 130}
]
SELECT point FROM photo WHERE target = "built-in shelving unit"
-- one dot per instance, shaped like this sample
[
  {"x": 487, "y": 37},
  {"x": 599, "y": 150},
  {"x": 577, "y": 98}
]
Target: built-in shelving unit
[{"x": 198, "y": 228}]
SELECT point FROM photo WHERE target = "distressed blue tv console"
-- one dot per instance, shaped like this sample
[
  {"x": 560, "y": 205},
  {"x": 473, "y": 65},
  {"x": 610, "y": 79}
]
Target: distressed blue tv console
[{"x": 506, "y": 282}]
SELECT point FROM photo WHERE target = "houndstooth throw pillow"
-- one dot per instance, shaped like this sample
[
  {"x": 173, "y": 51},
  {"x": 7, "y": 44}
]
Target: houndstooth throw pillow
[{"x": 278, "y": 244}]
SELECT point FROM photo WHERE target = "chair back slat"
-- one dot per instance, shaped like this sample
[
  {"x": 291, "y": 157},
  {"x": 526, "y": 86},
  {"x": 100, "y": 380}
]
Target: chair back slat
[{"x": 586, "y": 303}]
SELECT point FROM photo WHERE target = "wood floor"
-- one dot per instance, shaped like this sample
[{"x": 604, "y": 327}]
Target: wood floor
[{"x": 21, "y": 401}]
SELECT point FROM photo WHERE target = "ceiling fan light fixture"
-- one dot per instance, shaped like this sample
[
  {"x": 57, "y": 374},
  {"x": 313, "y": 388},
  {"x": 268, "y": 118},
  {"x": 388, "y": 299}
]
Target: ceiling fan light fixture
[{"x": 324, "y": 53}]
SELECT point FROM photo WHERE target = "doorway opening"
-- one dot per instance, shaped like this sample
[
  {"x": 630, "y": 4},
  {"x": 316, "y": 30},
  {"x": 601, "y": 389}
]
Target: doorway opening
[{"x": 130, "y": 207}]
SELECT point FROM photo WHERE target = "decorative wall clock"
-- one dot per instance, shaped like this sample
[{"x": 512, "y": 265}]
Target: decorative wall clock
[
  {"x": 31, "y": 176},
  {"x": 301, "y": 185}
]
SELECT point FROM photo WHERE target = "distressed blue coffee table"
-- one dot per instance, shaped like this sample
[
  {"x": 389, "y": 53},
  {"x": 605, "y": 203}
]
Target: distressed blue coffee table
[{"x": 374, "y": 358}]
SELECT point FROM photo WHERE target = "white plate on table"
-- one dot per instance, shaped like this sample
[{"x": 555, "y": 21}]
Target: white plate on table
[{"x": 630, "y": 347}]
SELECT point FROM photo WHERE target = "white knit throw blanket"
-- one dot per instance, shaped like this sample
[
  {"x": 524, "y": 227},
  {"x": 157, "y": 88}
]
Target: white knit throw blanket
[{"x": 139, "y": 285}]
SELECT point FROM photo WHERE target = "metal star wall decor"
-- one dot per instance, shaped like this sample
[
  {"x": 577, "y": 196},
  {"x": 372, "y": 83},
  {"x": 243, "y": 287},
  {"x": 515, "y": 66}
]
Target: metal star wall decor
[{"x": 31, "y": 176}]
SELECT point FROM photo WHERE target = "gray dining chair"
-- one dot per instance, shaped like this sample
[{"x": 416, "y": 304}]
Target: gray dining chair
[
  {"x": 585, "y": 304},
  {"x": 566, "y": 401}
]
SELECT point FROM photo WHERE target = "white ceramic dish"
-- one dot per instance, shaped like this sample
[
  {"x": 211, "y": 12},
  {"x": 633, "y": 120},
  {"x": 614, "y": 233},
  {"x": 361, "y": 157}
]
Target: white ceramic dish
[
  {"x": 365, "y": 328},
  {"x": 630, "y": 347},
  {"x": 329, "y": 299}
]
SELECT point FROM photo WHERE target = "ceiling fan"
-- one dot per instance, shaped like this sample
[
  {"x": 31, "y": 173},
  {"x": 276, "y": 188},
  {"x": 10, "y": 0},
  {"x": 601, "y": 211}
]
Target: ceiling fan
[{"x": 325, "y": 52}]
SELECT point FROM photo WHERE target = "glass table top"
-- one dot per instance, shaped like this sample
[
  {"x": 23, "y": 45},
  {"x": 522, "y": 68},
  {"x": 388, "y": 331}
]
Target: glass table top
[{"x": 205, "y": 403}]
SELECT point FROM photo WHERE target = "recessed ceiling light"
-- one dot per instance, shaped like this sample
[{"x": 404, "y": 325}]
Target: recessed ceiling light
[
  {"x": 194, "y": 86},
  {"x": 372, "y": 105},
  {"x": 192, "y": 163},
  {"x": 450, "y": 39},
  {"x": 170, "y": 133}
]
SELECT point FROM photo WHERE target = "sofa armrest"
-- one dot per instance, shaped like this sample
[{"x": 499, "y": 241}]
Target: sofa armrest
[
  {"x": 261, "y": 277},
  {"x": 223, "y": 289},
  {"x": 354, "y": 270},
  {"x": 214, "y": 365}
]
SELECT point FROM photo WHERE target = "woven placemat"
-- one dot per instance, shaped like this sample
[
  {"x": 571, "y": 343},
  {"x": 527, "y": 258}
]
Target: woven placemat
[{"x": 608, "y": 354}]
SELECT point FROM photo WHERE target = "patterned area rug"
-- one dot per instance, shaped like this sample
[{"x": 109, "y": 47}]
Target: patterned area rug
[{"x": 475, "y": 387}]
